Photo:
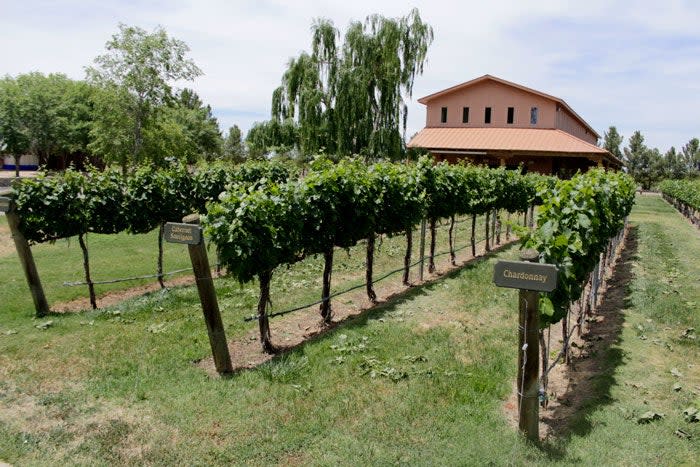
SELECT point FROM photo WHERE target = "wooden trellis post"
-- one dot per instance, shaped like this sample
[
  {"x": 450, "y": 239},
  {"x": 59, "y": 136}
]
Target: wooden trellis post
[
  {"x": 190, "y": 233},
  {"x": 531, "y": 278},
  {"x": 24, "y": 252}
]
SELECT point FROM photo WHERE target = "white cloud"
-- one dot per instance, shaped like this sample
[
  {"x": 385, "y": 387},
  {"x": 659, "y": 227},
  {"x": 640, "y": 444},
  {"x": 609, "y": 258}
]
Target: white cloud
[{"x": 632, "y": 65}]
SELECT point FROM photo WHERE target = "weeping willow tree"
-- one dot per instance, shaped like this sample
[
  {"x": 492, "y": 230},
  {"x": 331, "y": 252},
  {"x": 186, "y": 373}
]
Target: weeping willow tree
[{"x": 349, "y": 98}]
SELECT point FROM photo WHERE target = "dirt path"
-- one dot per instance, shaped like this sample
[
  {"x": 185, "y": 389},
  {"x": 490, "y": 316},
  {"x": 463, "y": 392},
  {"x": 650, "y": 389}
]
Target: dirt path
[{"x": 570, "y": 387}]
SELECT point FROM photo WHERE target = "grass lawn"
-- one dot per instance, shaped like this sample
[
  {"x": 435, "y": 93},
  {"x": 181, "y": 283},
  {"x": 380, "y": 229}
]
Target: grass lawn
[{"x": 421, "y": 379}]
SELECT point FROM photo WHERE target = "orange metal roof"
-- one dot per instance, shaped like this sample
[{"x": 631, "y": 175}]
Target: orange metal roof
[
  {"x": 426, "y": 99},
  {"x": 504, "y": 139}
]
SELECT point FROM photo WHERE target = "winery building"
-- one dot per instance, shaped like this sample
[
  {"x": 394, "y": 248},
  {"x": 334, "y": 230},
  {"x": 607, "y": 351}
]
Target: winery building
[{"x": 491, "y": 121}]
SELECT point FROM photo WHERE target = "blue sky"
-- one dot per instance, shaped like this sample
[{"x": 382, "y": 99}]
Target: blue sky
[{"x": 630, "y": 64}]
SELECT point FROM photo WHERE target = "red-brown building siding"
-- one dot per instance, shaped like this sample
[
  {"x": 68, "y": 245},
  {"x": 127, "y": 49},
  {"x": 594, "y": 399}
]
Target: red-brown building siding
[{"x": 553, "y": 140}]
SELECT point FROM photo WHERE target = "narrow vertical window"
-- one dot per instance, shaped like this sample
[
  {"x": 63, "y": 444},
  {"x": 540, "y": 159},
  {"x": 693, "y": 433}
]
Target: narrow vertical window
[
  {"x": 465, "y": 114},
  {"x": 511, "y": 115},
  {"x": 533, "y": 116},
  {"x": 487, "y": 115},
  {"x": 443, "y": 115}
]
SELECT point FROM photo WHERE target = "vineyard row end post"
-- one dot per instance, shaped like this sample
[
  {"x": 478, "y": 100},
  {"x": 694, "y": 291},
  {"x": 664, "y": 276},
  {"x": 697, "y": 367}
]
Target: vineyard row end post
[
  {"x": 528, "y": 357},
  {"x": 24, "y": 252},
  {"x": 531, "y": 278},
  {"x": 190, "y": 233}
]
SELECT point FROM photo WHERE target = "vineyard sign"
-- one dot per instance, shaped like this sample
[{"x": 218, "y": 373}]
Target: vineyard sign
[
  {"x": 189, "y": 234},
  {"x": 525, "y": 275},
  {"x": 4, "y": 204}
]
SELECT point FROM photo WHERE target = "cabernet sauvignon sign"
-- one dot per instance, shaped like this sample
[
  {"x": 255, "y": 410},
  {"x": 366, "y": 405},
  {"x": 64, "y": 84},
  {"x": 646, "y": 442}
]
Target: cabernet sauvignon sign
[{"x": 189, "y": 234}]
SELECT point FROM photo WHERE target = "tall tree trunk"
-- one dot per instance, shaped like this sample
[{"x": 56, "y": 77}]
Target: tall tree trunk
[
  {"x": 17, "y": 162},
  {"x": 473, "y": 239},
  {"x": 488, "y": 234},
  {"x": 407, "y": 257},
  {"x": 138, "y": 130},
  {"x": 161, "y": 228},
  {"x": 368, "y": 271},
  {"x": 326, "y": 312},
  {"x": 431, "y": 256},
  {"x": 263, "y": 320},
  {"x": 86, "y": 266},
  {"x": 453, "y": 257}
]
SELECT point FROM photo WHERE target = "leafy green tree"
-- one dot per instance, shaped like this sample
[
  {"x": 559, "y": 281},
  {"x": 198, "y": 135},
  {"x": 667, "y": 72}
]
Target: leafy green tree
[
  {"x": 139, "y": 67},
  {"x": 691, "y": 154},
  {"x": 349, "y": 97},
  {"x": 45, "y": 115},
  {"x": 612, "y": 140},
  {"x": 645, "y": 165},
  {"x": 165, "y": 139},
  {"x": 272, "y": 136},
  {"x": 74, "y": 117},
  {"x": 13, "y": 133},
  {"x": 111, "y": 132},
  {"x": 199, "y": 126},
  {"x": 233, "y": 149},
  {"x": 674, "y": 165}
]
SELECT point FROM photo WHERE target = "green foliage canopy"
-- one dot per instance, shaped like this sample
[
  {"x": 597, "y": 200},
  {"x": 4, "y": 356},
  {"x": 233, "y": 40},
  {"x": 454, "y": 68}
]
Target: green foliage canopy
[
  {"x": 136, "y": 74},
  {"x": 348, "y": 98}
]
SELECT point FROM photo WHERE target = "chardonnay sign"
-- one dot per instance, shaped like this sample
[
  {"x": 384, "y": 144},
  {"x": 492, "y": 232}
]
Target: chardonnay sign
[{"x": 525, "y": 275}]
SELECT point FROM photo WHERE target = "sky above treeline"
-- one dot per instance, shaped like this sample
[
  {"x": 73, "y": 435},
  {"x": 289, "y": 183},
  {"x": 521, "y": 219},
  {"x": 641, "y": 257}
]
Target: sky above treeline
[{"x": 634, "y": 65}]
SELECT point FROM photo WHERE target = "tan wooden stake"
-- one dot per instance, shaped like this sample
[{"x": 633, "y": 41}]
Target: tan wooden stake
[
  {"x": 422, "y": 250},
  {"x": 528, "y": 358},
  {"x": 24, "y": 252},
  {"x": 210, "y": 305}
]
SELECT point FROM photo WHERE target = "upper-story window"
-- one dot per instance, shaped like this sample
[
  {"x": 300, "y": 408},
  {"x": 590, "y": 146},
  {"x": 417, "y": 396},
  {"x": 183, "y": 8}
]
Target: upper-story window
[
  {"x": 443, "y": 115},
  {"x": 533, "y": 116},
  {"x": 511, "y": 115},
  {"x": 465, "y": 114},
  {"x": 487, "y": 115}
]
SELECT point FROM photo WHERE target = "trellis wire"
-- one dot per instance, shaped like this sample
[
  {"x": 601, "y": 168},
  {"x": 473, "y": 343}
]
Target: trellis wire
[
  {"x": 684, "y": 209},
  {"x": 218, "y": 265},
  {"x": 126, "y": 279},
  {"x": 342, "y": 292}
]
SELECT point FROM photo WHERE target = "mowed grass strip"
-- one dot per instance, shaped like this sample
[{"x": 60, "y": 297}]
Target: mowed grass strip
[
  {"x": 420, "y": 380},
  {"x": 93, "y": 386}
]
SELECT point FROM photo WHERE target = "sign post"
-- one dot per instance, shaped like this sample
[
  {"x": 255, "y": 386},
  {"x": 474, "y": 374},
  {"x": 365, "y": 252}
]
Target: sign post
[
  {"x": 531, "y": 278},
  {"x": 190, "y": 233},
  {"x": 41, "y": 306}
]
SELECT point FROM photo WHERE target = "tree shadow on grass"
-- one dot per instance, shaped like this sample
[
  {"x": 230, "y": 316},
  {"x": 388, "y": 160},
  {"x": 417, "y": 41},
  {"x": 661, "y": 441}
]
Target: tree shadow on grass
[{"x": 591, "y": 374}]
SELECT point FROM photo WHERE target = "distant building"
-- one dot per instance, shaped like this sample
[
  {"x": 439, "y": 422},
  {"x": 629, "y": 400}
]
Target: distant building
[
  {"x": 494, "y": 122},
  {"x": 26, "y": 162}
]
